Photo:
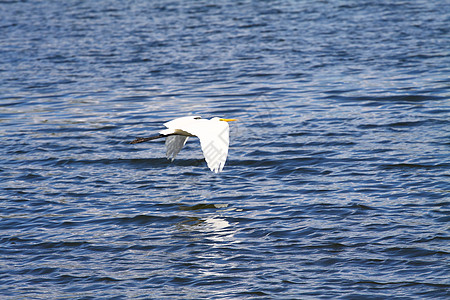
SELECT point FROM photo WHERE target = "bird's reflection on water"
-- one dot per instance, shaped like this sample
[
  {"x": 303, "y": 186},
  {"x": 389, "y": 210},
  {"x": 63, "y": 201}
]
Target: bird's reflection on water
[{"x": 213, "y": 227}]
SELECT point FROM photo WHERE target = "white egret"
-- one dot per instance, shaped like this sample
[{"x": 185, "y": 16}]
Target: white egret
[{"x": 213, "y": 134}]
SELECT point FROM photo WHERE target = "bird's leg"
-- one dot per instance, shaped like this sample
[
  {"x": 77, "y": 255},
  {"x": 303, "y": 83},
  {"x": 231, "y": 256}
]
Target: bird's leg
[{"x": 141, "y": 140}]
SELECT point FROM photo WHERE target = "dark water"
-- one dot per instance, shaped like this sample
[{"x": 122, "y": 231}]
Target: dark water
[{"x": 337, "y": 181}]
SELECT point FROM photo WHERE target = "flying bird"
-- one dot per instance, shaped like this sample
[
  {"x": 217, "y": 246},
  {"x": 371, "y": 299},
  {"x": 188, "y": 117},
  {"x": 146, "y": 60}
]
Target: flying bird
[{"x": 213, "y": 134}]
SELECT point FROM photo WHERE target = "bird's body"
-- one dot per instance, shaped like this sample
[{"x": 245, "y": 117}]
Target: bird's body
[{"x": 213, "y": 135}]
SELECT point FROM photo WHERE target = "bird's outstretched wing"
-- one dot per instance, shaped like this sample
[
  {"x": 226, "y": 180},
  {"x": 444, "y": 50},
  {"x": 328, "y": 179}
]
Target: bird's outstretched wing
[
  {"x": 214, "y": 140},
  {"x": 215, "y": 152},
  {"x": 174, "y": 143}
]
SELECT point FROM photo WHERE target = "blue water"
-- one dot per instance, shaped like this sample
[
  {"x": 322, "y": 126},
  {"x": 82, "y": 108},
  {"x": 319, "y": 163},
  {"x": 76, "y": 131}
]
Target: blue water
[{"x": 337, "y": 180}]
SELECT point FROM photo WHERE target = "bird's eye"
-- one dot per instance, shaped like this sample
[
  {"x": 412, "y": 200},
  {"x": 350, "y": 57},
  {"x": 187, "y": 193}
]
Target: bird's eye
[{"x": 197, "y": 118}]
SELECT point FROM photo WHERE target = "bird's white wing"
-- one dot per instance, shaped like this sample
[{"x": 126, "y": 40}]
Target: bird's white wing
[
  {"x": 174, "y": 143},
  {"x": 215, "y": 152},
  {"x": 181, "y": 123},
  {"x": 214, "y": 140}
]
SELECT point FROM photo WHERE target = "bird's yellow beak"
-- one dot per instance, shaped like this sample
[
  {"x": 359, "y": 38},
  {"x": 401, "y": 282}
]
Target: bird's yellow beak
[{"x": 228, "y": 120}]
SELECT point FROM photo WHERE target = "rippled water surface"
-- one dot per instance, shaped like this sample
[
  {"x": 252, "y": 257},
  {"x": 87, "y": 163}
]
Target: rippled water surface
[{"x": 337, "y": 179}]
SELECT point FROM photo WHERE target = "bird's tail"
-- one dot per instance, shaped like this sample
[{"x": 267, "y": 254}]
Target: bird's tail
[{"x": 154, "y": 137}]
